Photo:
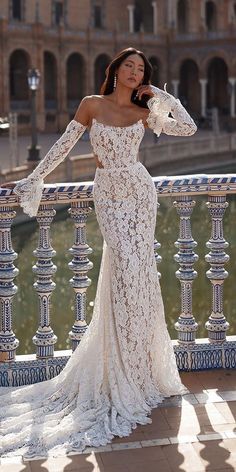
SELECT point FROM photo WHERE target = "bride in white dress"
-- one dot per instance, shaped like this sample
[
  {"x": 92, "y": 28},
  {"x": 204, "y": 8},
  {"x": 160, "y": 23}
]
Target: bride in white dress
[{"x": 125, "y": 365}]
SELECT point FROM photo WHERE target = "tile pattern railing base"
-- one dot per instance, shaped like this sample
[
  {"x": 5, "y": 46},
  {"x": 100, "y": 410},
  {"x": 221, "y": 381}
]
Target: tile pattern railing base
[
  {"x": 202, "y": 355},
  {"x": 27, "y": 370}
]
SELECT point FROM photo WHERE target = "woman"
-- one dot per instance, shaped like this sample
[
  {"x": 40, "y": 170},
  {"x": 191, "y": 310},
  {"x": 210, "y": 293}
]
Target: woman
[{"x": 125, "y": 364}]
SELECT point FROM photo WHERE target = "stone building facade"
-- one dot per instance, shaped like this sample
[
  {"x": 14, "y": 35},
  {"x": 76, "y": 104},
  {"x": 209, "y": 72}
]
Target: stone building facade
[{"x": 191, "y": 44}]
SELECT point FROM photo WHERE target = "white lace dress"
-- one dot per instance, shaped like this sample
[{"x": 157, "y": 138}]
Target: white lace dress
[{"x": 125, "y": 364}]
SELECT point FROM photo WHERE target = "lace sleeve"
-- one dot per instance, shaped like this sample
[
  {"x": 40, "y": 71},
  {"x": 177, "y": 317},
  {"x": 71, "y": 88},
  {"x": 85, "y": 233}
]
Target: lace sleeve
[
  {"x": 158, "y": 119},
  {"x": 30, "y": 189}
]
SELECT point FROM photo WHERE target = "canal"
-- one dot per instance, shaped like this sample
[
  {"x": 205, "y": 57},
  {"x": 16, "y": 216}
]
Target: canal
[{"x": 25, "y": 240}]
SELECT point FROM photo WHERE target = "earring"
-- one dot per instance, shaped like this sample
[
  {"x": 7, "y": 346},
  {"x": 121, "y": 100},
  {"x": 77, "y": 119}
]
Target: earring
[
  {"x": 115, "y": 82},
  {"x": 136, "y": 95}
]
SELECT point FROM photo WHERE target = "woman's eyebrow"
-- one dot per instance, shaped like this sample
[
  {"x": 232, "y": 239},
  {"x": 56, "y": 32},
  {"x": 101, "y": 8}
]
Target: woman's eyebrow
[{"x": 139, "y": 65}]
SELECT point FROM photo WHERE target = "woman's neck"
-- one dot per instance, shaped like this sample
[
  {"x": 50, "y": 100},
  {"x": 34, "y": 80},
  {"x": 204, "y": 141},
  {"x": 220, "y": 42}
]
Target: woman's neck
[{"x": 121, "y": 96}]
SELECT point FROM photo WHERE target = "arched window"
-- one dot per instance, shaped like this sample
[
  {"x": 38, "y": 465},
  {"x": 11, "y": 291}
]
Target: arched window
[
  {"x": 16, "y": 10},
  {"x": 57, "y": 12},
  {"x": 211, "y": 14},
  {"x": 217, "y": 85},
  {"x": 182, "y": 16},
  {"x": 143, "y": 16},
  {"x": 100, "y": 66},
  {"x": 138, "y": 17},
  {"x": 50, "y": 81},
  {"x": 19, "y": 90},
  {"x": 189, "y": 86},
  {"x": 98, "y": 14},
  {"x": 75, "y": 72},
  {"x": 156, "y": 70}
]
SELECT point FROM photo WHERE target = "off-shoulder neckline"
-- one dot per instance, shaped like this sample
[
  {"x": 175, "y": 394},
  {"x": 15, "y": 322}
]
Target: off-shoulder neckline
[{"x": 94, "y": 120}]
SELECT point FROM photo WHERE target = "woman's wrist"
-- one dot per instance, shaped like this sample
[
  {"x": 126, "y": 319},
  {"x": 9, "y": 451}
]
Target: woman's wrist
[{"x": 161, "y": 101}]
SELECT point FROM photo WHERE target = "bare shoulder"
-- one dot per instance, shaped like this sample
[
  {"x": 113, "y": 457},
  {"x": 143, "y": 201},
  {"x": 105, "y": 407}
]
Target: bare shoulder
[
  {"x": 87, "y": 108},
  {"x": 91, "y": 101}
]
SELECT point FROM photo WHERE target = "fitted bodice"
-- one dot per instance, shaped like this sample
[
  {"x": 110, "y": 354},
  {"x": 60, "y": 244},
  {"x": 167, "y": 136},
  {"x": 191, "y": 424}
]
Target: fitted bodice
[{"x": 116, "y": 146}]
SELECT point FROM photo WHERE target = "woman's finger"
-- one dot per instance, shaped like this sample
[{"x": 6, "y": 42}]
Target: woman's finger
[{"x": 146, "y": 90}]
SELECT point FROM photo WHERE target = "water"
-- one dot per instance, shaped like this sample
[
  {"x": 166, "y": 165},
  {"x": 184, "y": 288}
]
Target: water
[{"x": 25, "y": 240}]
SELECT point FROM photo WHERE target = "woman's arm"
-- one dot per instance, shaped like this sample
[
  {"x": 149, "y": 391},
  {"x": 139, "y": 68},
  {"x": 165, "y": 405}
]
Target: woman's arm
[
  {"x": 161, "y": 104},
  {"x": 30, "y": 189}
]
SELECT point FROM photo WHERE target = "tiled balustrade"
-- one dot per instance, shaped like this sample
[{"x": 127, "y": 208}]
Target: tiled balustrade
[{"x": 191, "y": 352}]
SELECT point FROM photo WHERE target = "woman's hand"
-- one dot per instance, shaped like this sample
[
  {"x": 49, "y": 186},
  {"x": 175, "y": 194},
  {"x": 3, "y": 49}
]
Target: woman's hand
[
  {"x": 164, "y": 100},
  {"x": 8, "y": 185},
  {"x": 144, "y": 90},
  {"x": 153, "y": 91}
]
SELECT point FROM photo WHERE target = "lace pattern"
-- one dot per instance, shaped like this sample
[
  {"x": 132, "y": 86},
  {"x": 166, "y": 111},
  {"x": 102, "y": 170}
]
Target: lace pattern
[
  {"x": 30, "y": 189},
  {"x": 125, "y": 364},
  {"x": 159, "y": 121},
  {"x": 117, "y": 139}
]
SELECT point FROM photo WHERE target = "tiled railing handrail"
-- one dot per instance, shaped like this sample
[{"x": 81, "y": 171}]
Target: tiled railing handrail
[
  {"x": 165, "y": 185},
  {"x": 80, "y": 196}
]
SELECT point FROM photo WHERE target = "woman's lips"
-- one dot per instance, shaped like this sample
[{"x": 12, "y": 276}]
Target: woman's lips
[{"x": 132, "y": 80}]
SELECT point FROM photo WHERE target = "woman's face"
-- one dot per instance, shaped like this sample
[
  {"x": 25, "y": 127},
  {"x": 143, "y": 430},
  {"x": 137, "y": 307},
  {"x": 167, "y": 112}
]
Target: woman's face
[{"x": 131, "y": 71}]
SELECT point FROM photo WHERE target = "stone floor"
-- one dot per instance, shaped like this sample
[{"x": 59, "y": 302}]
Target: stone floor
[{"x": 194, "y": 433}]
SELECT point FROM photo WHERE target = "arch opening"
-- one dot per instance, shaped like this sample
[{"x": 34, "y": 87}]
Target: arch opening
[
  {"x": 17, "y": 10},
  {"x": 101, "y": 63},
  {"x": 19, "y": 64},
  {"x": 211, "y": 16},
  {"x": 182, "y": 16},
  {"x": 156, "y": 70},
  {"x": 189, "y": 87},
  {"x": 75, "y": 74},
  {"x": 143, "y": 16},
  {"x": 50, "y": 81},
  {"x": 217, "y": 86}
]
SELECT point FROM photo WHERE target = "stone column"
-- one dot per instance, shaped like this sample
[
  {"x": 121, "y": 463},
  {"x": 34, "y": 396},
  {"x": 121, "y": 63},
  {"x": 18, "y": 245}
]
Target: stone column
[
  {"x": 8, "y": 340},
  {"x": 80, "y": 265},
  {"x": 131, "y": 17},
  {"x": 175, "y": 88},
  {"x": 186, "y": 325},
  {"x": 203, "y": 83},
  {"x": 217, "y": 324},
  {"x": 44, "y": 268},
  {"x": 155, "y": 27},
  {"x": 232, "y": 82}
]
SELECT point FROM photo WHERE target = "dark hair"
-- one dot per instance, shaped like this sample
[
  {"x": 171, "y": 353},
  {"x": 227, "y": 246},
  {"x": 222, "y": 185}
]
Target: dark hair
[{"x": 108, "y": 84}]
